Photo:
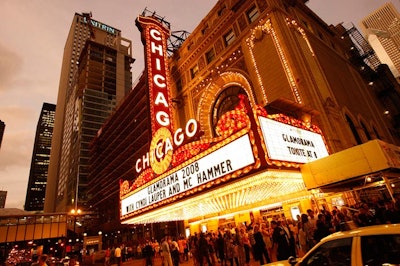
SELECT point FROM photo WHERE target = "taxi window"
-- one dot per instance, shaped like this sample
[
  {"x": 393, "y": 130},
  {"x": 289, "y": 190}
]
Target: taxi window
[
  {"x": 380, "y": 250},
  {"x": 335, "y": 252}
]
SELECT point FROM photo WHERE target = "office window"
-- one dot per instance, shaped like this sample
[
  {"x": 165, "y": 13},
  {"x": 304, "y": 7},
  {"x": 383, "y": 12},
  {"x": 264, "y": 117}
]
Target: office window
[
  {"x": 194, "y": 70},
  {"x": 210, "y": 55},
  {"x": 229, "y": 37},
  {"x": 252, "y": 14}
]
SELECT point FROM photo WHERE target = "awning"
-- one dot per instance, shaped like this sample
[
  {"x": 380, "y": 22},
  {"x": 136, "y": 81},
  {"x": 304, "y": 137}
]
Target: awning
[
  {"x": 250, "y": 192},
  {"x": 351, "y": 167}
]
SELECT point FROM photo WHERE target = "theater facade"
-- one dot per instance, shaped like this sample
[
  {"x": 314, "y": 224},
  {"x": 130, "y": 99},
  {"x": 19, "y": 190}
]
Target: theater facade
[{"x": 220, "y": 131}]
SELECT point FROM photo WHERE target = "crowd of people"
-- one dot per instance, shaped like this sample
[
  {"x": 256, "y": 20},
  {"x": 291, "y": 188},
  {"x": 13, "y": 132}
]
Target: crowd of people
[
  {"x": 273, "y": 240},
  {"x": 263, "y": 241}
]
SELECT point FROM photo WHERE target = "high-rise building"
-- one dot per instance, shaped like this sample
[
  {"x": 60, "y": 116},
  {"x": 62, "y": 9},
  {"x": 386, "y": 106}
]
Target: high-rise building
[
  {"x": 36, "y": 190},
  {"x": 382, "y": 28},
  {"x": 95, "y": 76},
  {"x": 2, "y": 128},
  {"x": 3, "y": 197}
]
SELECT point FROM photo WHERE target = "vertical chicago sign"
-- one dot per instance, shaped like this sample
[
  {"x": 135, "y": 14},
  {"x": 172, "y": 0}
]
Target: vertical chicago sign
[
  {"x": 154, "y": 38},
  {"x": 159, "y": 157}
]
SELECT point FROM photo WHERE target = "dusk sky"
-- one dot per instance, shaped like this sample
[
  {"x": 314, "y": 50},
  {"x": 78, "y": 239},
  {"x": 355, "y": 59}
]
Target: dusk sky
[{"x": 31, "y": 48}]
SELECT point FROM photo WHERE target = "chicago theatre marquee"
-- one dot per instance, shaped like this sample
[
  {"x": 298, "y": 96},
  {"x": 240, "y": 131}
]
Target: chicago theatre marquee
[{"x": 250, "y": 164}]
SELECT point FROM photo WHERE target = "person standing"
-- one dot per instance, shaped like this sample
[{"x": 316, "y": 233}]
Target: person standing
[
  {"x": 148, "y": 253},
  {"x": 107, "y": 257},
  {"x": 246, "y": 245},
  {"x": 221, "y": 248},
  {"x": 322, "y": 229},
  {"x": 250, "y": 233},
  {"x": 183, "y": 250},
  {"x": 260, "y": 250},
  {"x": 174, "y": 248},
  {"x": 266, "y": 231},
  {"x": 165, "y": 251},
  {"x": 35, "y": 260},
  {"x": 280, "y": 242},
  {"x": 203, "y": 250},
  {"x": 117, "y": 255},
  {"x": 42, "y": 260}
]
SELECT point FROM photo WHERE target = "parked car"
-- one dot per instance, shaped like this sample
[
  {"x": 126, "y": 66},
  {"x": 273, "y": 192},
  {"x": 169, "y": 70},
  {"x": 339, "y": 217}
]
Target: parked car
[{"x": 371, "y": 245}]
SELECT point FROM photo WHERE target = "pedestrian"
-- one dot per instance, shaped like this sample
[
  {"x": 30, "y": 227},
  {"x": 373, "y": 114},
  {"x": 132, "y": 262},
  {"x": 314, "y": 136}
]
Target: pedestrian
[
  {"x": 308, "y": 231},
  {"x": 221, "y": 248},
  {"x": 203, "y": 251},
  {"x": 35, "y": 260},
  {"x": 107, "y": 257},
  {"x": 148, "y": 253},
  {"x": 246, "y": 245},
  {"x": 260, "y": 249},
  {"x": 322, "y": 229},
  {"x": 165, "y": 251},
  {"x": 267, "y": 234},
  {"x": 250, "y": 233},
  {"x": 174, "y": 248},
  {"x": 280, "y": 241},
  {"x": 42, "y": 260},
  {"x": 117, "y": 255}
]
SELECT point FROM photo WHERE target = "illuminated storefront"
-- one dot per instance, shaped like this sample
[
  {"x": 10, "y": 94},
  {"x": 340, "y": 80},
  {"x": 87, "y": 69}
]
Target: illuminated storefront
[
  {"x": 253, "y": 163},
  {"x": 216, "y": 133}
]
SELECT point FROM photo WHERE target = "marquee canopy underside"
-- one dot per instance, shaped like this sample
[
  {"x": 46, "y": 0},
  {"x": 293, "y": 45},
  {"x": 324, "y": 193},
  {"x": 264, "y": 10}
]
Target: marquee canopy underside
[{"x": 252, "y": 192}]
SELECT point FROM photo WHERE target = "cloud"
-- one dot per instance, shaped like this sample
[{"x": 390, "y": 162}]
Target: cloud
[
  {"x": 16, "y": 148},
  {"x": 10, "y": 65}
]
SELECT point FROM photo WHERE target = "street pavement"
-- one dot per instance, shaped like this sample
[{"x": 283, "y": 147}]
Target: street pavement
[{"x": 158, "y": 262}]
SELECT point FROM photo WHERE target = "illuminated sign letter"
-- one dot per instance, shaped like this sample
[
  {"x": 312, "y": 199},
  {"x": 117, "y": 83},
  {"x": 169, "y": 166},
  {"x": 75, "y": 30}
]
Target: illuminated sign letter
[
  {"x": 162, "y": 118},
  {"x": 157, "y": 79},
  {"x": 154, "y": 36}
]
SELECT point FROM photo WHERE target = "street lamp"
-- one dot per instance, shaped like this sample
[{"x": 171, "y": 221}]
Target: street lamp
[{"x": 75, "y": 213}]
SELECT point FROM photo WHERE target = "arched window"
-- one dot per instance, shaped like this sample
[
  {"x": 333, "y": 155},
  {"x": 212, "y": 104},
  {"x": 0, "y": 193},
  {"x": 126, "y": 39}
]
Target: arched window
[
  {"x": 376, "y": 133},
  {"x": 353, "y": 129},
  {"x": 226, "y": 101},
  {"x": 366, "y": 131}
]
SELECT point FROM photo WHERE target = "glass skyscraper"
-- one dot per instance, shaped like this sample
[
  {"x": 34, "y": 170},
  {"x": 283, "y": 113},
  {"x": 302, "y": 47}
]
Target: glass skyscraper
[
  {"x": 95, "y": 77},
  {"x": 36, "y": 191}
]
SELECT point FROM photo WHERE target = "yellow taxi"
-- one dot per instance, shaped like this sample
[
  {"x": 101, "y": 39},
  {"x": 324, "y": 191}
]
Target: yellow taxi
[{"x": 371, "y": 245}]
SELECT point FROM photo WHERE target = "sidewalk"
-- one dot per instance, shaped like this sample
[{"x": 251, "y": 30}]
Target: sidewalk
[{"x": 158, "y": 262}]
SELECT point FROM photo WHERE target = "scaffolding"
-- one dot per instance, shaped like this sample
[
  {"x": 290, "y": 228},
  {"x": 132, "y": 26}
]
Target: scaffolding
[{"x": 176, "y": 38}]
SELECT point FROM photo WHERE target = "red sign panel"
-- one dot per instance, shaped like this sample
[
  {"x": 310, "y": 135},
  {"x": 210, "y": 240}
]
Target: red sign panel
[{"x": 154, "y": 38}]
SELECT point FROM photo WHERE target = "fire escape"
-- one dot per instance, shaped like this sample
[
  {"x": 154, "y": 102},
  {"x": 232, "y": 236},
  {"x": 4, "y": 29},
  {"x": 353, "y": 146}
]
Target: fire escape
[
  {"x": 361, "y": 49},
  {"x": 378, "y": 76}
]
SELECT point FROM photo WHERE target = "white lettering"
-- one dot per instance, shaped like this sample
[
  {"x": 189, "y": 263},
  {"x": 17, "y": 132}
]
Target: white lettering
[
  {"x": 160, "y": 99},
  {"x": 155, "y": 34},
  {"x": 162, "y": 118},
  {"x": 157, "y": 79},
  {"x": 191, "y": 128},
  {"x": 178, "y": 137},
  {"x": 137, "y": 168},
  {"x": 156, "y": 48},
  {"x": 158, "y": 151},
  {"x": 158, "y": 64}
]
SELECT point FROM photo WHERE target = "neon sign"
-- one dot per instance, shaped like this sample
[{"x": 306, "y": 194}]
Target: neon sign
[
  {"x": 205, "y": 170},
  {"x": 159, "y": 157}
]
